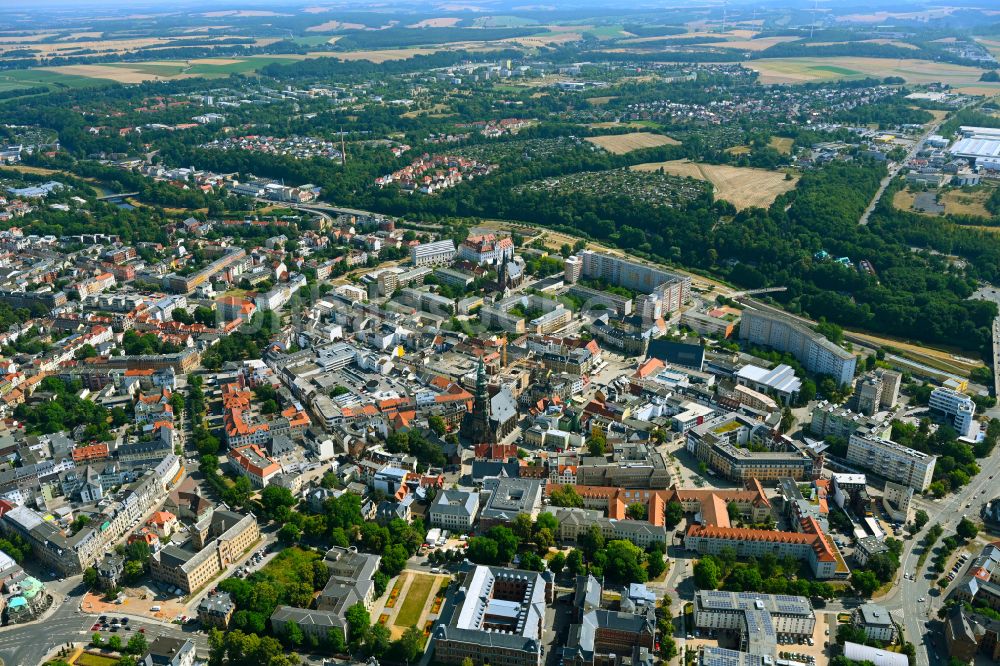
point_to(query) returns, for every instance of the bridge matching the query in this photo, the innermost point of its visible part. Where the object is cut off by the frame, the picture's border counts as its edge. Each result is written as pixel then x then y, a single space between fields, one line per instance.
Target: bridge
pixel 116 197
pixel 754 292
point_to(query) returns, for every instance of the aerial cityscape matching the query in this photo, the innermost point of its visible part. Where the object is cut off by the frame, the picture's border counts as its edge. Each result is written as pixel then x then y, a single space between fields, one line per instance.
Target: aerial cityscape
pixel 485 333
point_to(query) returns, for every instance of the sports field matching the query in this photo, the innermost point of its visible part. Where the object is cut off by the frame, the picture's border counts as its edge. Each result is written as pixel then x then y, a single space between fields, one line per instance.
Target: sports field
pixel 740 186
pixel 619 144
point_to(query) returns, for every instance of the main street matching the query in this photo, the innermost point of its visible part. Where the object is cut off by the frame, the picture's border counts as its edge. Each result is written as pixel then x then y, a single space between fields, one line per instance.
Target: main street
pixel 905 595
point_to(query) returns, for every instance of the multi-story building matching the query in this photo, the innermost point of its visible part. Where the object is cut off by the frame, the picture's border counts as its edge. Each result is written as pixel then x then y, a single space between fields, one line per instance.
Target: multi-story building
pixel 486 249
pixel 505 498
pixel 220 540
pixel 893 461
pixel 215 610
pixel 968 634
pixel 350 582
pixel 829 419
pixel 498 619
pixel 809 545
pixel 603 636
pixel 671 289
pixel 740 449
pixel 957 408
pixel 761 620
pixel 252 462
pixel 232 258
pixel 875 621
pixel 876 391
pixel 454 510
pixel 169 651
pixel 817 354
pixel 428 254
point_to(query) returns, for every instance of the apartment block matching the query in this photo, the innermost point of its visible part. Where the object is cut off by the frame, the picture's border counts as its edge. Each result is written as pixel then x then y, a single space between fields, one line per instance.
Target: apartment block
pixel 817 354
pixel 890 460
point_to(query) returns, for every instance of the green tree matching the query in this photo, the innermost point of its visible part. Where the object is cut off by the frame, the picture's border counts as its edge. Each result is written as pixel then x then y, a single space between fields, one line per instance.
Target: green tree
pixel 96 639
pixel 706 574
pixel 90 578
pixel 115 643
pixel 292 633
pixel 137 644
pixel 379 640
pixel 566 496
pixel 636 511
pixel 358 623
pixel 557 562
pixel 574 562
pixel 864 582
pixel 410 645
pixel 920 519
pixel 967 529
pixel 673 513
pixel 437 424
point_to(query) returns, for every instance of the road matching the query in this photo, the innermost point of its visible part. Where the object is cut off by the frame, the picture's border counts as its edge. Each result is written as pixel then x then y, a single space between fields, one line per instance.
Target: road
pixel 905 595
pixel 28 644
pixel 895 170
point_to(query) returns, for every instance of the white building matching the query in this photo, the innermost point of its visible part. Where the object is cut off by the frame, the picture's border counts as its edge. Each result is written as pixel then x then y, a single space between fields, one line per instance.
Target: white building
pixel 439 252
pixel 891 460
pixel 957 407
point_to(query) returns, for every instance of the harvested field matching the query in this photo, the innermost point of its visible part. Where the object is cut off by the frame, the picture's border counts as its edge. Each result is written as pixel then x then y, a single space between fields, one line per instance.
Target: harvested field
pixel 756 44
pixel 112 73
pixel 740 186
pixel 443 22
pixel 619 144
pixel 334 25
pixel 804 70
pixel 601 101
pixel 242 13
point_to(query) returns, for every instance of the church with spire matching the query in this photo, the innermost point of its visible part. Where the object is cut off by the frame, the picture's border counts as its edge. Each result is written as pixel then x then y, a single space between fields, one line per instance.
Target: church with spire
pixel 492 417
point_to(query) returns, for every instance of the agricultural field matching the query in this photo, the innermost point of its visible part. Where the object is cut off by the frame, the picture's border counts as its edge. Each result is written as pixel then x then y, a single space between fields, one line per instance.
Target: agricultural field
pixel 649 188
pixel 806 70
pixel 18 79
pixel 619 144
pixel 740 186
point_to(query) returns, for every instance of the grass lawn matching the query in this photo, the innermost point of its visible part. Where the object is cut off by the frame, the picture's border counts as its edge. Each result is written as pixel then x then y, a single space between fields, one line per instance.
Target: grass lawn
pixel 88 659
pixel 291 566
pixel 416 597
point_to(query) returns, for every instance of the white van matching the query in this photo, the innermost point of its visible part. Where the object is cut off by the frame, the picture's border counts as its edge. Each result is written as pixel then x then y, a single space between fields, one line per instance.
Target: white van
pixel 155 609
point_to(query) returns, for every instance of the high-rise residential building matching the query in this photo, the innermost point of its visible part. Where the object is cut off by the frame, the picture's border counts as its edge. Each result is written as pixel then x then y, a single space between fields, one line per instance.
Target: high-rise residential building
pixel 893 461
pixel 957 408
pixel 572 269
pixel 876 391
pixel 817 354
pixel 671 289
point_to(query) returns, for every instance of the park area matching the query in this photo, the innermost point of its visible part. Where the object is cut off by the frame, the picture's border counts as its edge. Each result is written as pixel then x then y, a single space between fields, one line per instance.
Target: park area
pixel 741 186
pixel 619 144
pixel 411 602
